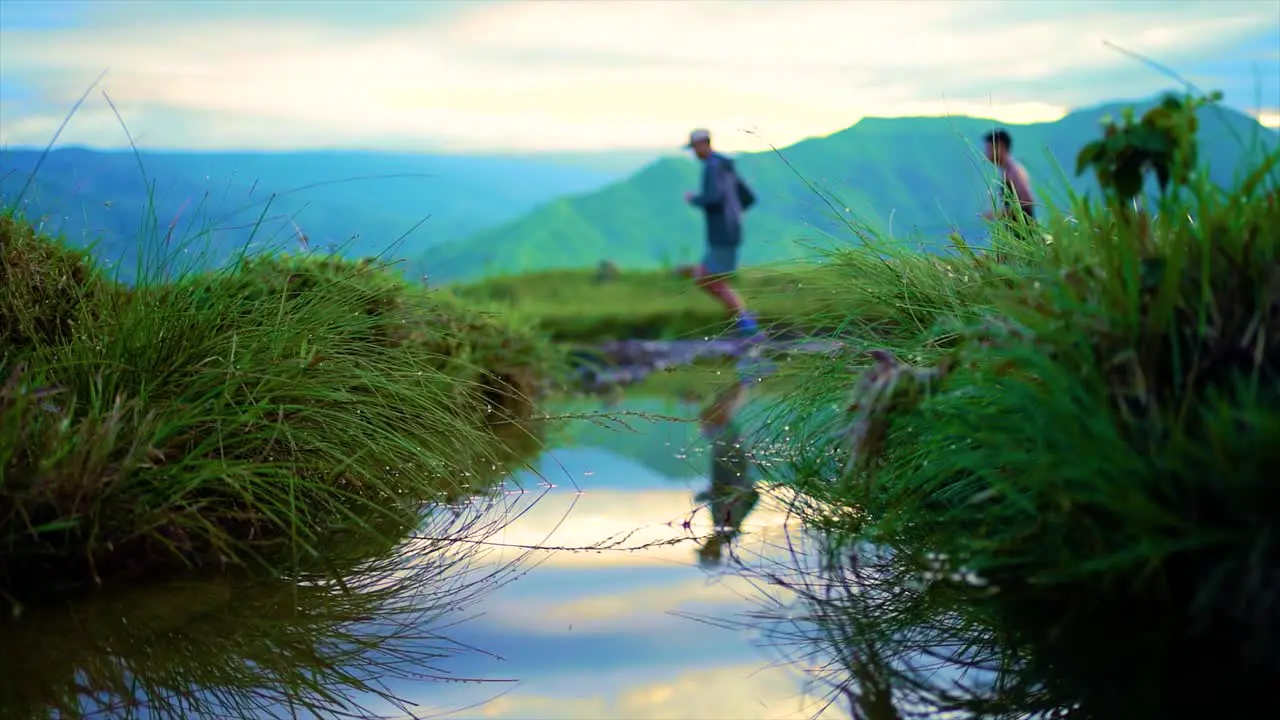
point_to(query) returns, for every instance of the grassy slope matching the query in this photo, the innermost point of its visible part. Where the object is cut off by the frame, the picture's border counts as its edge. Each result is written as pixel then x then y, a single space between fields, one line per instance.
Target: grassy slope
pixel 342 198
pixel 1090 429
pixel 914 176
pixel 233 416
pixel 573 305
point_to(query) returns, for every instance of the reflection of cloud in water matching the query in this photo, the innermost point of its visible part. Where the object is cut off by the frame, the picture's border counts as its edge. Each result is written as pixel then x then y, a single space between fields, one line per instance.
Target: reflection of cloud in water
pixel 619 511
pixel 618 520
pixel 606 634
pixel 740 692
pixel 645 609
pixel 602 628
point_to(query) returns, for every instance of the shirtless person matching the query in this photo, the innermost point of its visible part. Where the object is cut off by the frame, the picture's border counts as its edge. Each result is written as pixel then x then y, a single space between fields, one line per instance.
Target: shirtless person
pixel 720 202
pixel 1017 201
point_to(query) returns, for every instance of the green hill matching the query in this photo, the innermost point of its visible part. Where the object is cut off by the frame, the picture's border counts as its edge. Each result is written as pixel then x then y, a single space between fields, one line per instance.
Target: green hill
pixel 909 178
pixel 361 203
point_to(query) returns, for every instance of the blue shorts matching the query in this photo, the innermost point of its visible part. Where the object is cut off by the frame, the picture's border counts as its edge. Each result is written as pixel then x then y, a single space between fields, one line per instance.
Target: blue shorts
pixel 720 260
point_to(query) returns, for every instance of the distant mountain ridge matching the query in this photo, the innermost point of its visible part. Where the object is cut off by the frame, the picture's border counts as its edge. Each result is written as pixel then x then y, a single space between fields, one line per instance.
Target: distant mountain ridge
pixel 361 202
pixel 458 217
pixel 908 178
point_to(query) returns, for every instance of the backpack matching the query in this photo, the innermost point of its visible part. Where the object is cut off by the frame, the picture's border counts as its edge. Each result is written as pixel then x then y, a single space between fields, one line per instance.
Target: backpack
pixel 746 198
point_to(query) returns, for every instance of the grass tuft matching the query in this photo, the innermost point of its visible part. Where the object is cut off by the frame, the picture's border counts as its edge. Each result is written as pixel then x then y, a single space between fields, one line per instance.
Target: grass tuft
pixel 235 416
pixel 42 286
pixel 1085 420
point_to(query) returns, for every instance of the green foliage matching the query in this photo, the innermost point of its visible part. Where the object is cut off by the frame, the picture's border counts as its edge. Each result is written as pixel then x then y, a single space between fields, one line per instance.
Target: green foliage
pixel 1089 429
pixel 42 286
pixel 238 416
pixel 469 339
pixel 1163 142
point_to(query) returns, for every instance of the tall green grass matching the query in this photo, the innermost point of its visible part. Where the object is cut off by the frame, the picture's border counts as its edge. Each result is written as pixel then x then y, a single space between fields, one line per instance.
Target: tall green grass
pixel 233 416
pixel 1085 422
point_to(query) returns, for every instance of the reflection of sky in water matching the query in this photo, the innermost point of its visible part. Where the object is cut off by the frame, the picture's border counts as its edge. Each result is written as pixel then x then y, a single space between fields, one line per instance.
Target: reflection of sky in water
pixel 592 634
pixel 600 633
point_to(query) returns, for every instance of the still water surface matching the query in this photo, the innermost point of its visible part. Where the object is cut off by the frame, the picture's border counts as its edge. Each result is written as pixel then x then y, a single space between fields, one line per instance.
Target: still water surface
pixel 620 568
pixel 608 634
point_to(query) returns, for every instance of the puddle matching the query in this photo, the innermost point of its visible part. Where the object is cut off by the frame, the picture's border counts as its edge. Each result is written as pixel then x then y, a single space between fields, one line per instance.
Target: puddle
pixel 620 574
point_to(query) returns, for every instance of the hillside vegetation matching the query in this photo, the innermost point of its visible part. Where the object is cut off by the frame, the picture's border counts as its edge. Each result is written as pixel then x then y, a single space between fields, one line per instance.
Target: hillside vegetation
pixel 357 203
pixel 583 306
pixel 232 418
pixel 905 179
pixel 1067 458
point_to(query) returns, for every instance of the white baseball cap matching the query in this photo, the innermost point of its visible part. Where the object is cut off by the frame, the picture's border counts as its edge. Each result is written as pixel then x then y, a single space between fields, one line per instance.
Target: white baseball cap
pixel 699 135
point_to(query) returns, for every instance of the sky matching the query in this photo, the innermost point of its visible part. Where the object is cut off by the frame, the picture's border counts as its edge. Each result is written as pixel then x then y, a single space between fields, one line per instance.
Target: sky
pixel 585 75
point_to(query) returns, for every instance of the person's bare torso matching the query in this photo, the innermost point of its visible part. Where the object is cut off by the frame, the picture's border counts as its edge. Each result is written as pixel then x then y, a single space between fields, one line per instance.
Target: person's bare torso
pixel 1017 187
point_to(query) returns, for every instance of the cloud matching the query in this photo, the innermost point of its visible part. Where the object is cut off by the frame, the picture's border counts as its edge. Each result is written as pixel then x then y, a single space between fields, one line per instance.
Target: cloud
pixel 372 14
pixel 742 692
pixel 572 75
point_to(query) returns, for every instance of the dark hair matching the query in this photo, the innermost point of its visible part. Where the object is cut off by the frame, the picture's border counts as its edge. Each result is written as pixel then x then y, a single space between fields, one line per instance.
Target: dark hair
pixel 999 137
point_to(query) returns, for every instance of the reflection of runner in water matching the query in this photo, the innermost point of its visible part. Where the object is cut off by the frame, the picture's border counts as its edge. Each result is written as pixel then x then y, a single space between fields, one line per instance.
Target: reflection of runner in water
pixel 732 494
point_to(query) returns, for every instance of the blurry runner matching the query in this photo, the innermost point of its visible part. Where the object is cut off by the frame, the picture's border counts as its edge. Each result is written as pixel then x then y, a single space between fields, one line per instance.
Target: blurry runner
pixel 723 199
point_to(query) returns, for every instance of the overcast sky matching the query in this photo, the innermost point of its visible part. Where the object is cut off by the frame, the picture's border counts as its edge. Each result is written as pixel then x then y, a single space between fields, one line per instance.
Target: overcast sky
pixel 595 74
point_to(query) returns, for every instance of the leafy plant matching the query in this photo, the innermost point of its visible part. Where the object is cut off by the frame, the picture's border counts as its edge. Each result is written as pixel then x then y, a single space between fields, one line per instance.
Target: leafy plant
pixel 1162 142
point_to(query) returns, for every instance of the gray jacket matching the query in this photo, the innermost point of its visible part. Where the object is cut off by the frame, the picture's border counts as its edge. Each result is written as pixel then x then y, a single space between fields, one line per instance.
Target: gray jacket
pixel 719 201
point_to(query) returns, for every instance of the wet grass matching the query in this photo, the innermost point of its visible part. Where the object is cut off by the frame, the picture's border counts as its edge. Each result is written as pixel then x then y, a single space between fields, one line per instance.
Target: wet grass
pixel 1067 447
pixel 231 417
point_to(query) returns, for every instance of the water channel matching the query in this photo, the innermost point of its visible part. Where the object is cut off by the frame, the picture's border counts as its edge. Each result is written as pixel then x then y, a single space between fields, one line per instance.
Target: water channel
pixel 603 587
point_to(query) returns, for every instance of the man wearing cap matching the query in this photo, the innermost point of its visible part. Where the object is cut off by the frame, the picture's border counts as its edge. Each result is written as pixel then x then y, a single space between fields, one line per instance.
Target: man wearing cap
pixel 721 200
